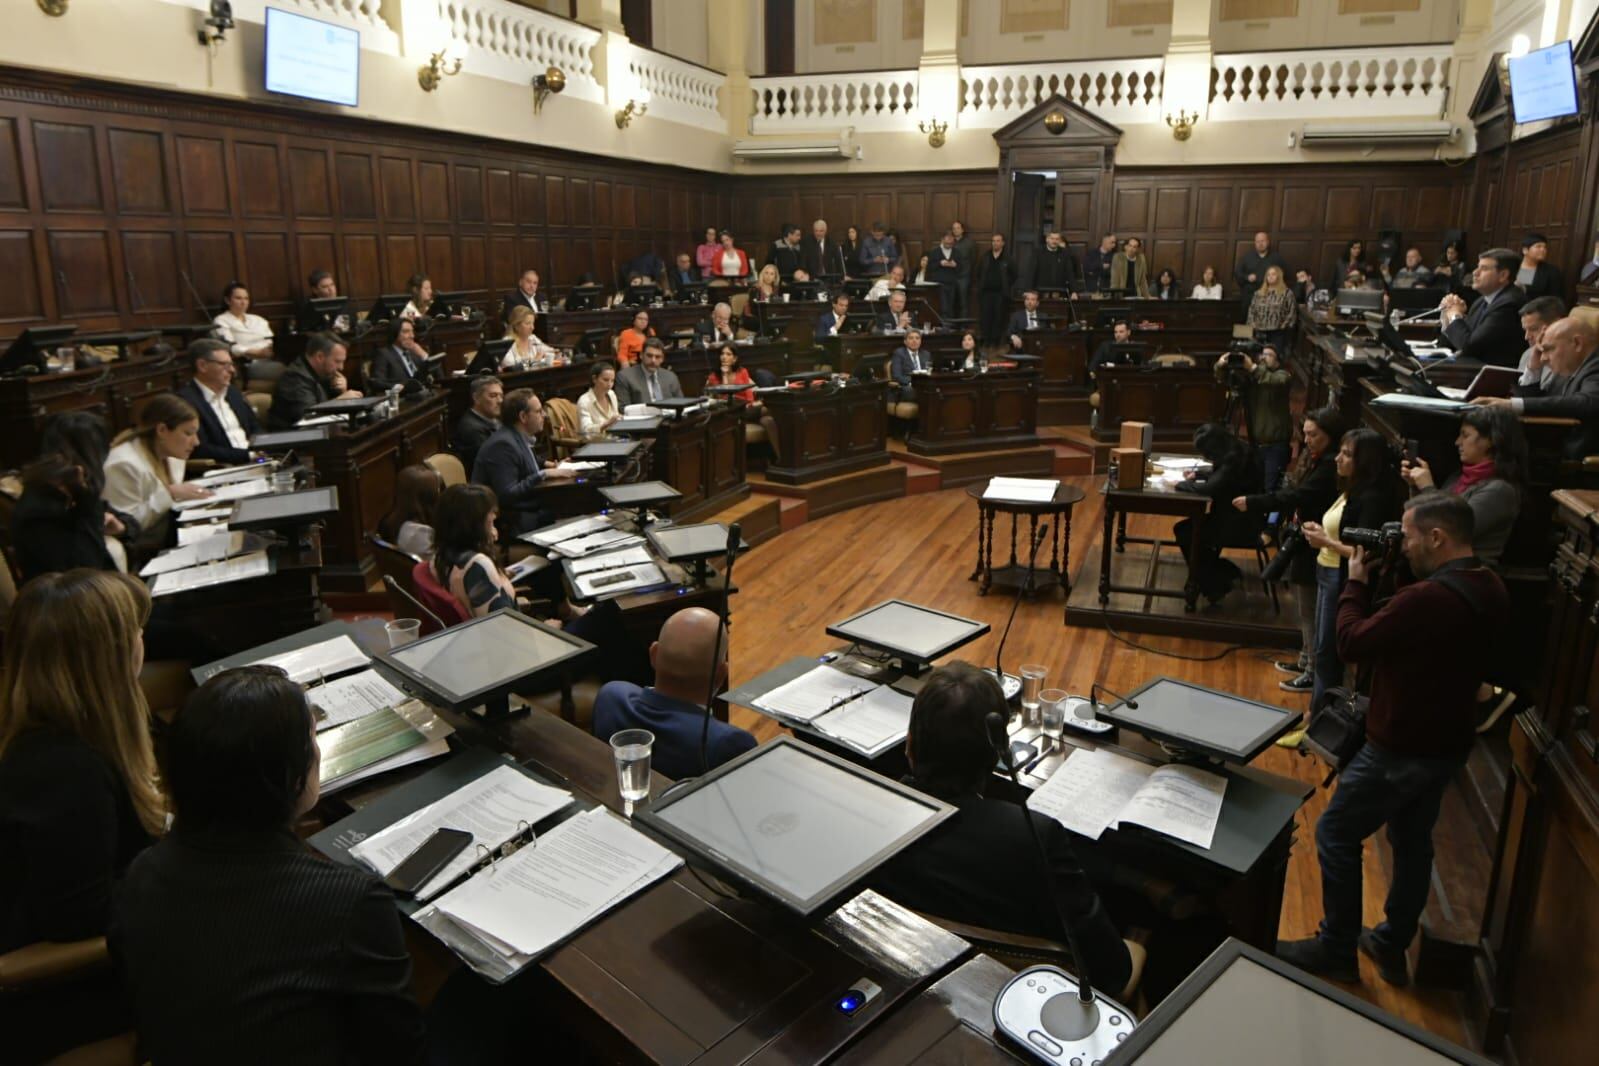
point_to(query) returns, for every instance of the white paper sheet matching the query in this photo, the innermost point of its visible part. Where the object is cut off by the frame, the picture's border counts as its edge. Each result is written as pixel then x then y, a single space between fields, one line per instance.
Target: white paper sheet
pixel 206 514
pixel 578 527
pixel 188 535
pixel 219 545
pixel 235 490
pixel 1087 793
pixel 317 661
pixel 607 582
pixel 607 539
pixel 1021 489
pixel 1180 801
pixel 813 694
pixel 244 472
pixel 579 466
pixel 345 699
pixel 256 564
pixel 610 560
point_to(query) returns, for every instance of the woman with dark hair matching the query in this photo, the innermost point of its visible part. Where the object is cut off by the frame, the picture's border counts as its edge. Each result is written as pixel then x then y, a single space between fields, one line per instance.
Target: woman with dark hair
pixel 706 252
pixel 421 302
pixel 731 373
pixel 731 262
pixel 971 354
pixel 236 941
pixel 246 335
pixel 1166 286
pixel 597 409
pixel 851 247
pixel 1308 490
pixel 1492 475
pixel 1371 496
pixel 60 521
pixel 1452 268
pixel 1232 473
pixel 409 524
pixel 1350 260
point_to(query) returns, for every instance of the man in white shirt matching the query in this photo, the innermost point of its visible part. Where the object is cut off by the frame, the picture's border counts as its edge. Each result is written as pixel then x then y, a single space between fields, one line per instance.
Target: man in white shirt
pixel 227 422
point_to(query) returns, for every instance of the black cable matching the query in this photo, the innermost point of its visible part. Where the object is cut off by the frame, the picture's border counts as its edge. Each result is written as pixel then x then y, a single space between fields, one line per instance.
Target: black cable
pixel 1188 658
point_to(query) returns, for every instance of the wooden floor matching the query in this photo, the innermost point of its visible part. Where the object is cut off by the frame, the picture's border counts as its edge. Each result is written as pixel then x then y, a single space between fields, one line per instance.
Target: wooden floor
pixel 922 548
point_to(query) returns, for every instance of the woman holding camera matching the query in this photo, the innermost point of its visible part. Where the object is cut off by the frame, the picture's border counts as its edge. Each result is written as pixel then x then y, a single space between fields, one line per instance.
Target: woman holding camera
pixel 1371 497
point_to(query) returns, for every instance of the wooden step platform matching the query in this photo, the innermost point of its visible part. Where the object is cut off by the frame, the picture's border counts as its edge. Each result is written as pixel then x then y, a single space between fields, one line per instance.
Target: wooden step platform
pixel 834 494
pixel 759 518
pixel 964 468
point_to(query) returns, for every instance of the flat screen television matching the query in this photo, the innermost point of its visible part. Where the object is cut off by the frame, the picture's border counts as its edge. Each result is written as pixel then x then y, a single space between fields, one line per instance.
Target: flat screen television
pixel 312 59
pixel 1543 84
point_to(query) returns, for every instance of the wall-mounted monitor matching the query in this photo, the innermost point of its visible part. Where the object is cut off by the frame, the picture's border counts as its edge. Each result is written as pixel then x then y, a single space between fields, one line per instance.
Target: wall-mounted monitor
pixel 1543 84
pixel 312 59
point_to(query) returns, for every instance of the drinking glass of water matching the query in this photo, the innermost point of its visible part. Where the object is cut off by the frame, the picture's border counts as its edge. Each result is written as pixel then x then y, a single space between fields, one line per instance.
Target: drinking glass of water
pixel 1033 675
pixel 1052 713
pixel 631 747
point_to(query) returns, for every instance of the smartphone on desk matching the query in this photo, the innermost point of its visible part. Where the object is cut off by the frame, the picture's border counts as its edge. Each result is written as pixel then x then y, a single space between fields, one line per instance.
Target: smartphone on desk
pixel 423 864
pixel 1021 754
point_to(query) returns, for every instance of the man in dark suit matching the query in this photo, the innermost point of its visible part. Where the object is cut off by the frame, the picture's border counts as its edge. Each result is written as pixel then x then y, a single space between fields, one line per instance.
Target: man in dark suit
pixel 1056 267
pixel 1571 349
pixel 227 422
pixel 509 464
pixel 1121 333
pixel 648 380
pixel 785 252
pixel 308 319
pixel 1490 331
pixel 673 708
pixel 947 269
pixel 1028 318
pixel 480 421
pixel 995 277
pixel 1097 263
pixel 907 361
pixel 895 319
pixel 402 362
pixel 717 330
pixel 316 377
pixel 683 273
pixel 831 322
pixel 981 866
pixel 821 256
pixel 526 294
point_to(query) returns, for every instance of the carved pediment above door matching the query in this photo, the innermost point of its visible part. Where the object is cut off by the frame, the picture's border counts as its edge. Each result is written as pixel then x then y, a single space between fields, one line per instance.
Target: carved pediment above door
pixel 1055 137
pixel 1060 132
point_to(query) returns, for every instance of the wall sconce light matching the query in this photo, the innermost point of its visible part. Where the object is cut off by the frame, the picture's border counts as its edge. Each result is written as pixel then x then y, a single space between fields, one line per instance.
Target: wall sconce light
pixel 935 131
pixel 211 31
pixel 626 115
pixel 1055 123
pixel 552 80
pixel 440 65
pixel 53 8
pixel 1182 125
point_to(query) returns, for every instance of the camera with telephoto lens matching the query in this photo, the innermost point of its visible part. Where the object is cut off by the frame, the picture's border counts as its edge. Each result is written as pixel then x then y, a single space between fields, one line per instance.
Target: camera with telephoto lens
pixel 1382 541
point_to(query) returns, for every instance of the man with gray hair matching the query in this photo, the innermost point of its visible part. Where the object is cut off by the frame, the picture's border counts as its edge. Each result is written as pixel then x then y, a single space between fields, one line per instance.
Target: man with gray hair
pixel 820 256
pixel 1570 347
pixel 478 423
pixel 717 330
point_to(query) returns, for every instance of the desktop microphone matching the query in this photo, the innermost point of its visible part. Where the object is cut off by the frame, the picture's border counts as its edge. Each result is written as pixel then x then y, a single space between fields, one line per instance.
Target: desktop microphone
pixel 1093 697
pixel 734 538
pixel 1032 557
pixel 1076 1021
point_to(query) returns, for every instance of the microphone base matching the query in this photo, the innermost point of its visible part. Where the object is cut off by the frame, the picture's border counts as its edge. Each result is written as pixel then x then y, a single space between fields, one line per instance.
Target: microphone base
pixel 1039 1011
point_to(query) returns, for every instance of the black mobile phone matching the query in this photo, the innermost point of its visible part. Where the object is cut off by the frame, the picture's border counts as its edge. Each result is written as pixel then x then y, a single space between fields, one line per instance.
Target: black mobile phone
pixel 1021 754
pixel 1412 447
pixel 423 864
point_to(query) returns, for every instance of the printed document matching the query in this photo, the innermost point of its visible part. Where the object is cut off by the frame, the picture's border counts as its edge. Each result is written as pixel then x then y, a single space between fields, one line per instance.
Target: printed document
pixel 872 724
pixel 345 699
pixel 813 693
pixel 1097 790
pixel 306 666
pixel 256 564
pixel 1021 489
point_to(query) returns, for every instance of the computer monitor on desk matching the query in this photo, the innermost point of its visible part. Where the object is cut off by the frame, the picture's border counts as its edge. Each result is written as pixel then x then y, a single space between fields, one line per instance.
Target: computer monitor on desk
pixel 488 356
pixel 1352 302
pixel 30 352
pixel 1216 726
pixel 908 632
pixel 481 661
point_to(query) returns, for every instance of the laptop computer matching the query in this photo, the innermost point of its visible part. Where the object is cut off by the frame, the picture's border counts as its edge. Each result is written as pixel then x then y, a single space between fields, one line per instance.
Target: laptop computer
pixel 1490 381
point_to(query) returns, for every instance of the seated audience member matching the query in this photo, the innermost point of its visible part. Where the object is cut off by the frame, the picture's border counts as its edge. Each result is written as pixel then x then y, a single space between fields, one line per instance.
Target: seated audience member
pixel 1413 275
pixel 894 318
pixel 597 408
pixel 1536 317
pixel 1354 279
pixel 1352 260
pixel 1120 333
pixel 768 285
pixel 308 319
pixel 706 252
pixel 1232 473
pixel 60 521
pixel 316 377
pixel 648 380
pixel 478 422
pixel 1569 347
pixel 730 262
pixel 970 354
pixel 690 660
pixel 784 254
pixel 831 321
pixel 877 252
pixel 1452 268
pixel 402 362
pixel 683 274
pixel 891 282
pixel 237 942
pixel 245 334
pixel 409 525
pixel 751 409
pixel 630 341
pixel 922 277
pixel 1536 276
pixel 1166 286
pixel 509 463
pixel 1208 287
pixel 1492 474
pixel 1490 330
pixel 1028 318
pixel 421 302
pixel 908 359
pixel 950 747
pixel 1304 286
pixel 718 329
pixel 526 294
pixel 144 469
pixel 78 792
pixel 526 348
pixel 227 421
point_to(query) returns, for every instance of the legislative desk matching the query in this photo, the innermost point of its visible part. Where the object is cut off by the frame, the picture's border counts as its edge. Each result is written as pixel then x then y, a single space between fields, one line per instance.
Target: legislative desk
pixel 844 352
pixel 567 382
pixel 693 365
pixel 563 329
pixel 116 391
pixel 1175 400
pixel 364 464
pixel 243 614
pixel 700 455
pixel 968 411
pixel 828 430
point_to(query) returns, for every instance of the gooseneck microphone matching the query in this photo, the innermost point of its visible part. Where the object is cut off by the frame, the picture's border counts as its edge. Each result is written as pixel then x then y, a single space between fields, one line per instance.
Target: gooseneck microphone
pixel 734 538
pixel 1093 697
pixel 1032 557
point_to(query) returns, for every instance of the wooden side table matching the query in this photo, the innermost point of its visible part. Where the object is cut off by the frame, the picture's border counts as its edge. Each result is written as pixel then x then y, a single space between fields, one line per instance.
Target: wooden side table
pixel 1016 573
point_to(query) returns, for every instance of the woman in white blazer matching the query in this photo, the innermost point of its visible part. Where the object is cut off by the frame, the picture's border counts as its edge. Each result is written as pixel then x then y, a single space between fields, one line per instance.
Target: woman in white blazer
pixel 597 408
pixel 144 470
pixel 246 335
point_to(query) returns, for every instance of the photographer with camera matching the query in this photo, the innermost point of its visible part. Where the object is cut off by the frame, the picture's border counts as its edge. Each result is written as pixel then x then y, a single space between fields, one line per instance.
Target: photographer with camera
pixel 1307 492
pixel 1258 383
pixel 1371 497
pixel 1426 648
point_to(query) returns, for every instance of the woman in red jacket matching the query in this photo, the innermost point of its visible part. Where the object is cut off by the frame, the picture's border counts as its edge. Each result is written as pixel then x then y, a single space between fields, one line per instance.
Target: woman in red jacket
pixel 733 374
pixel 730 262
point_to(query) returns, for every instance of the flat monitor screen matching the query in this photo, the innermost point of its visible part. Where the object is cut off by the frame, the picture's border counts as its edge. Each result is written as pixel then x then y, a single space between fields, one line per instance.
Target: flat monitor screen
pixel 274 510
pixel 1243 1006
pixel 700 541
pixel 469 663
pixel 1202 719
pixel 799 825
pixel 312 59
pixel 638 492
pixel 1354 300
pixel 284 439
pixel 1543 84
pixel 918 634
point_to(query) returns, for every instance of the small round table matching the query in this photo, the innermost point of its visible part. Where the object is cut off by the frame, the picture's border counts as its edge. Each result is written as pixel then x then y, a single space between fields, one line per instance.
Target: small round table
pixel 1017 574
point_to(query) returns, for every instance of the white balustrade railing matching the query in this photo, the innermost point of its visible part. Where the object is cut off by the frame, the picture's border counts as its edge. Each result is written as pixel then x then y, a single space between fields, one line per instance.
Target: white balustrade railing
pixel 377 34
pixel 678 91
pixel 504 40
pixel 882 100
pixel 1331 83
pixel 1121 91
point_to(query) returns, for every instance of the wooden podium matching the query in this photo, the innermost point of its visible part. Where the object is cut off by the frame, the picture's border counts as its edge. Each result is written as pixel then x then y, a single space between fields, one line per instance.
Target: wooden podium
pixel 824 432
pixel 1176 400
pixel 967 412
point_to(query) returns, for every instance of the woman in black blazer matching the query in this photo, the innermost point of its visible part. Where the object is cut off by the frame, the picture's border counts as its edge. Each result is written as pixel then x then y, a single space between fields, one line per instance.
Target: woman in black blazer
pixel 78 795
pixel 238 944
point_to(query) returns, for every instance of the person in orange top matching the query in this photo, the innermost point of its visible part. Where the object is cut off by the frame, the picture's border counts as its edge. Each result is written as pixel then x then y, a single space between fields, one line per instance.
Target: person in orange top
pixel 630 342
pixel 733 374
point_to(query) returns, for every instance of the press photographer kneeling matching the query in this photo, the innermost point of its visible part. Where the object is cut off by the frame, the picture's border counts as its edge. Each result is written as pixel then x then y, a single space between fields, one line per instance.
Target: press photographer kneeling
pixel 1425 651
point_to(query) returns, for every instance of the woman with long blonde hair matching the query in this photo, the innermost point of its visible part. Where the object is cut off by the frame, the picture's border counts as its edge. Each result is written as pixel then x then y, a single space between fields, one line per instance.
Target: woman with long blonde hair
pixel 78 791
pixel 1273 310
pixel 144 470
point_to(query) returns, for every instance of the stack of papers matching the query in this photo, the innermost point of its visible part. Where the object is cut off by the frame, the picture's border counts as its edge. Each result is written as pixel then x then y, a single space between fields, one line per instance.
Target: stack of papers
pixel 1095 790
pixel 382 741
pixel 232 490
pixel 609 583
pixel 244 472
pixel 211 512
pixel 522 906
pixel 317 662
pixel 871 724
pixel 1427 403
pixel 355 696
pixel 256 564
pixel 214 548
pixel 577 527
pixel 321 420
pixel 1021 489
pixel 813 694
pixel 579 466
pixel 494 809
pixel 605 540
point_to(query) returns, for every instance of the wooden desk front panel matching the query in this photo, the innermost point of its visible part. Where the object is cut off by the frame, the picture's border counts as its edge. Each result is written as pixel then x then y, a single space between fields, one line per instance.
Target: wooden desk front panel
pixel 1065 358
pixel 972 412
pixel 681 459
pixel 724 453
pixel 1175 400
pixel 117 392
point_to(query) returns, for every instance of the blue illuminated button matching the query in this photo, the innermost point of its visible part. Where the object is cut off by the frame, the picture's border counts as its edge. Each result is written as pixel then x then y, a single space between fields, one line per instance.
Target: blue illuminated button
pixel 850 1002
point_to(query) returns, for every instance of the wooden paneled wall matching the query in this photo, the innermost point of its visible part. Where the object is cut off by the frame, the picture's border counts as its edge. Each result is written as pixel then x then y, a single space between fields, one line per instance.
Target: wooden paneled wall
pixel 1532 186
pixel 110 198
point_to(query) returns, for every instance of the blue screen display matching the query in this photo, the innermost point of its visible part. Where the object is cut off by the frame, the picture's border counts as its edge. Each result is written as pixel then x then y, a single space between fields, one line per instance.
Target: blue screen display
pixel 1543 84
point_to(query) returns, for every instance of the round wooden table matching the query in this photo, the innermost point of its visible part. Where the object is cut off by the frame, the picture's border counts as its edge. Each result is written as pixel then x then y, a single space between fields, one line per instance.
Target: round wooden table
pixel 1016 573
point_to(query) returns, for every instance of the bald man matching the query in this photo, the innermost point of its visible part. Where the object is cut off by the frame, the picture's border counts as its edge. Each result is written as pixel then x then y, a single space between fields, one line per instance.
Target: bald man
pixel 1569 347
pixel 674 707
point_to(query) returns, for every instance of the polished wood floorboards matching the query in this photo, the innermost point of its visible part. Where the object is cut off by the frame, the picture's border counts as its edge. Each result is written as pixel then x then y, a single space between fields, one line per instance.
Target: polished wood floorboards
pixel 922 548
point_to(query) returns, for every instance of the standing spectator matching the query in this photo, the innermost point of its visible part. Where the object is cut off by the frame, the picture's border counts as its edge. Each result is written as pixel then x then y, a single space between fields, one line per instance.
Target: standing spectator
pixel 878 252
pixel 995 276
pixel 731 262
pixel 707 252
pixel 1537 276
pixel 1266 416
pixel 1250 273
pixel 1129 269
pixel 1207 288
pixel 1097 263
pixel 1272 310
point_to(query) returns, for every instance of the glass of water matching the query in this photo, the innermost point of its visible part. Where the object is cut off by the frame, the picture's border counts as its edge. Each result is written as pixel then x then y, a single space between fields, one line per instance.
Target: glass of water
pixel 1033 675
pixel 1052 713
pixel 631 747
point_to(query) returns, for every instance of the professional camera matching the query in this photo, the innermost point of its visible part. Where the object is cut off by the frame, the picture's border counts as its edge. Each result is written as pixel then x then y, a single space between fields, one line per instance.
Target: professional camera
pixel 1383 540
